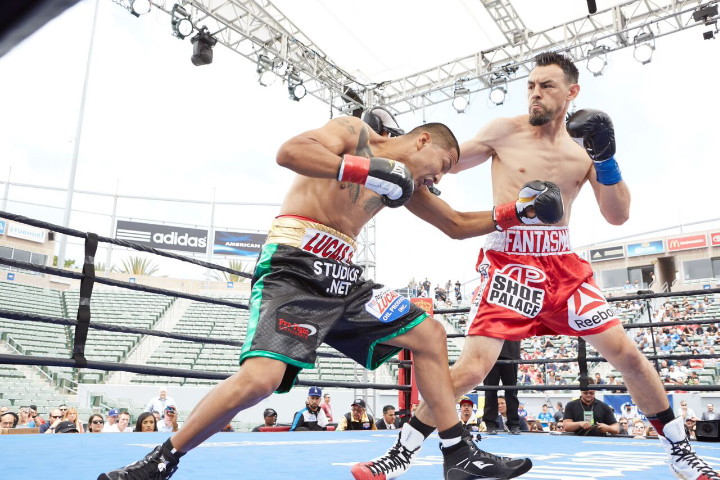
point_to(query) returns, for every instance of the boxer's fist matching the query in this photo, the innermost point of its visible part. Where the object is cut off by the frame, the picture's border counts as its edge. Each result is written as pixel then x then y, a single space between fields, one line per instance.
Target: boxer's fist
pixel 538 203
pixel 391 179
pixel 596 131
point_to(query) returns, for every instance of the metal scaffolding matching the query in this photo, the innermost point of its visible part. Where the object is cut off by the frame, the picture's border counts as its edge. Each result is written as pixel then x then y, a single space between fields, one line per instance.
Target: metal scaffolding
pixel 253 28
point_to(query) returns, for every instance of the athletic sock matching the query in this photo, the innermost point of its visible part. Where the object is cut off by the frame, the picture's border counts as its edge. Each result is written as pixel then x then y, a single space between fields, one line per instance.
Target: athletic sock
pixel 424 429
pixel 169 446
pixel 414 433
pixel 452 435
pixel 659 420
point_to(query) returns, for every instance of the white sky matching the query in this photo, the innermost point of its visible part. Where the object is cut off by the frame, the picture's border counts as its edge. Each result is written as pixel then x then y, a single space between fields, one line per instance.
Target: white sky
pixel 156 125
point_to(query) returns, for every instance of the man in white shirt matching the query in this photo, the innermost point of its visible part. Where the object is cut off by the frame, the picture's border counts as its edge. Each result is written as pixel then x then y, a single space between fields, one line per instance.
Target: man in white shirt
pixel 159 403
pixel 111 420
pixel 122 425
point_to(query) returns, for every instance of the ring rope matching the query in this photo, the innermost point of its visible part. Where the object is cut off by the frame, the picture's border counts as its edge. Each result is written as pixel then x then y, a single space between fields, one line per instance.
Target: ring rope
pixel 115 241
pixel 171 372
pixel 118 283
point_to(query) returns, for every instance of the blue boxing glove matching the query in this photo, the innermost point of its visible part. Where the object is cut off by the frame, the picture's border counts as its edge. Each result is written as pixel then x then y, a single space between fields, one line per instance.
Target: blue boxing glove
pixel 593 129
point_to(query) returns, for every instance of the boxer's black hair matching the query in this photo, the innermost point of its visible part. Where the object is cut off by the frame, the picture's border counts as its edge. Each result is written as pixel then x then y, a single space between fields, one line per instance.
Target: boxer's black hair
pixel 563 61
pixel 441 135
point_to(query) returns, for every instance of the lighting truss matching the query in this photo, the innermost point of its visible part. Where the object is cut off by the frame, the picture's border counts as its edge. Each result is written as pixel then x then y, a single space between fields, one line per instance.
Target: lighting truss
pixel 249 27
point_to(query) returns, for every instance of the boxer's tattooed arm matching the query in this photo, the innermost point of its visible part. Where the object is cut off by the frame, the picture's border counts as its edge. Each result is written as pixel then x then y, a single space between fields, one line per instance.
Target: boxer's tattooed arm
pixel 347 125
pixel 372 204
pixel 363 145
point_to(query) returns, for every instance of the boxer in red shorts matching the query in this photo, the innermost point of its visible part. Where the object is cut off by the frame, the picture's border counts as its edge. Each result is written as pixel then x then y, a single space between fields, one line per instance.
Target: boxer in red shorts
pixel 531 283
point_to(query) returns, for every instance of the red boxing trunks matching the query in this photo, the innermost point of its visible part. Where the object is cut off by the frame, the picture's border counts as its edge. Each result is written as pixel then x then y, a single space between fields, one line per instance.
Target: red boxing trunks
pixel 531 283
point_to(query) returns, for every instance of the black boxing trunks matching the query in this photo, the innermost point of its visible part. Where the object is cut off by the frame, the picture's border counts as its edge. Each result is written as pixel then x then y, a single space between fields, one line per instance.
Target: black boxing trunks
pixel 531 283
pixel 306 291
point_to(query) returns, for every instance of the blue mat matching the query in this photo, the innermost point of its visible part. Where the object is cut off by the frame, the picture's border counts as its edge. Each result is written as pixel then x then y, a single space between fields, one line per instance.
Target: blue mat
pixel 327 455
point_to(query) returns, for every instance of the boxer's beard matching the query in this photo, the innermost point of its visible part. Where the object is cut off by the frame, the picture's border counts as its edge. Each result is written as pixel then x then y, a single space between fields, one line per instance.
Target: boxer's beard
pixel 537 119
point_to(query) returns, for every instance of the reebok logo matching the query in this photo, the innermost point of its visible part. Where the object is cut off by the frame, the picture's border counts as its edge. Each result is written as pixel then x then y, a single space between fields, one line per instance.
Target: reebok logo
pixel 588 309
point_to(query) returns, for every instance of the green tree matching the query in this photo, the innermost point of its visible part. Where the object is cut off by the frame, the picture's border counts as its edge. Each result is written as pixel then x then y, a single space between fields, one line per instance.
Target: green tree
pixel 68 263
pixel 138 266
pixel 238 265
pixel 101 267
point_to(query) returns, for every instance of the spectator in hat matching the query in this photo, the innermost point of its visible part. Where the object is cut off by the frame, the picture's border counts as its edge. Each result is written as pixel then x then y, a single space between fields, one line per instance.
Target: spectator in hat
pixel 122 425
pixel 169 422
pixel 390 421
pixel 357 418
pixel 270 416
pixel 95 423
pixel 55 418
pixel 9 420
pixel 467 415
pixel 67 426
pixel 158 403
pixel 146 423
pixel 312 416
pixel 112 418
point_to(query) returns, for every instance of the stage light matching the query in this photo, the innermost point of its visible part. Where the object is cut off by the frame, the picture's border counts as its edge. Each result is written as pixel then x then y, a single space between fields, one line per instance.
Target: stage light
pixel 707 14
pixel 139 7
pixel 710 34
pixel 597 60
pixel 203 44
pixel 296 89
pixel 461 98
pixel 644 47
pixel 498 89
pixel 181 24
pixel 266 76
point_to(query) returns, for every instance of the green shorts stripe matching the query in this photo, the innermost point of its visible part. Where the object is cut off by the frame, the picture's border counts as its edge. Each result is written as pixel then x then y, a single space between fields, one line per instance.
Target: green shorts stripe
pixel 372 363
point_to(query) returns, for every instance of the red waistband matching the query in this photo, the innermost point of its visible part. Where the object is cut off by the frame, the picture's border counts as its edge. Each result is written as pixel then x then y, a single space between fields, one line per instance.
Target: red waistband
pixel 299 217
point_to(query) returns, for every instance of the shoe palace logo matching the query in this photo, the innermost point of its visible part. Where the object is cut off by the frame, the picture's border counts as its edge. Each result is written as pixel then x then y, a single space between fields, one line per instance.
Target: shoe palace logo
pixel 510 288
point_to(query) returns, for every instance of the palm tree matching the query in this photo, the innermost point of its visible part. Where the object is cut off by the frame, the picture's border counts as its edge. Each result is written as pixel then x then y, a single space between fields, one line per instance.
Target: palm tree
pixel 138 266
pixel 101 267
pixel 238 265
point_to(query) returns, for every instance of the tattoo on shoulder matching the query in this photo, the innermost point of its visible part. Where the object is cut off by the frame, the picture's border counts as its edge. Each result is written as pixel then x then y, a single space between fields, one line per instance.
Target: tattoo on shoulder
pixel 363 146
pixel 347 124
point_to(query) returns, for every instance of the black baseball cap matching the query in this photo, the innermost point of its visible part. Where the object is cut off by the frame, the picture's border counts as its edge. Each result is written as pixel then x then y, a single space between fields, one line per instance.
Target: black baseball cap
pixel 66 427
pixel 269 412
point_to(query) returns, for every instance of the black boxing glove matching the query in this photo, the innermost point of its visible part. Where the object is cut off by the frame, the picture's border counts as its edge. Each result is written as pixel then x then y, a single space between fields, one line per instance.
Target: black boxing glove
pixel 543 197
pixel 391 179
pixel 595 129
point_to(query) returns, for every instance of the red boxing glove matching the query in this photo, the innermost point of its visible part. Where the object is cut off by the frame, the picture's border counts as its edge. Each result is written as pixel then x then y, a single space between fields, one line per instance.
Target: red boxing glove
pixel 392 180
pixel 543 197
pixel 354 169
